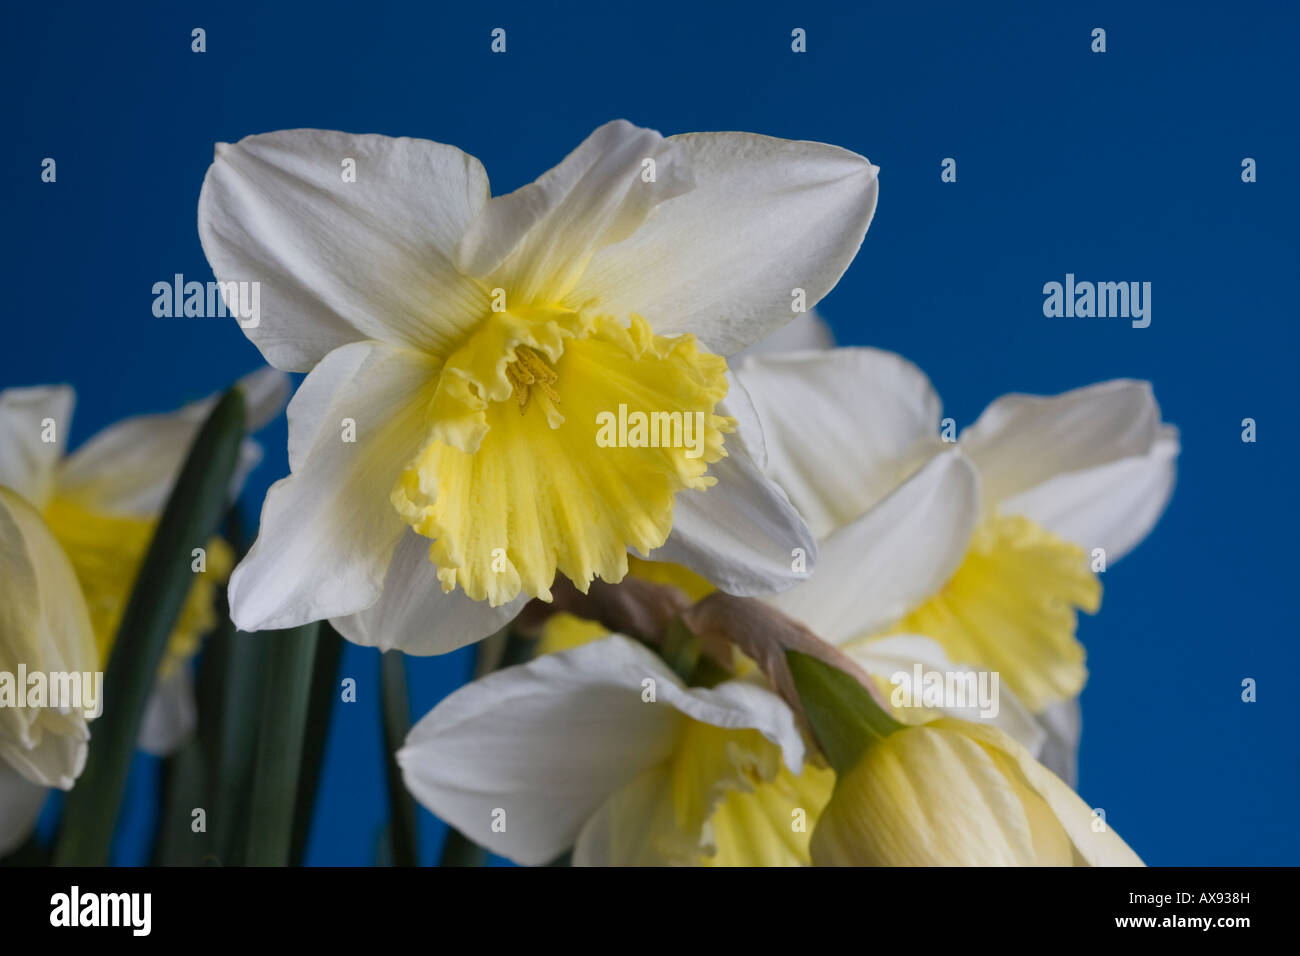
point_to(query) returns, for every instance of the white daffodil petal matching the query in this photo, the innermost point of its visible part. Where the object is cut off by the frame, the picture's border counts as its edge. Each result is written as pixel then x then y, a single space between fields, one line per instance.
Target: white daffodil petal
pixel 896 656
pixel 539 747
pixel 416 616
pixel 743 534
pixel 44 626
pixel 1113 506
pixel 1062 726
pixel 636 826
pixel 20 806
pixel 131 466
pixel 767 217
pixel 34 425
pixel 1023 440
pixel 537 240
pixel 341 261
pixel 873 570
pixel 806 332
pixel 171 714
pixel 328 530
pixel 843 428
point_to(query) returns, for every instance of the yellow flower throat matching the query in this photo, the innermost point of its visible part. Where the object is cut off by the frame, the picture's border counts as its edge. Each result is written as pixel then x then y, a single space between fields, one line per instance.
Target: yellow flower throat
pixel 512 492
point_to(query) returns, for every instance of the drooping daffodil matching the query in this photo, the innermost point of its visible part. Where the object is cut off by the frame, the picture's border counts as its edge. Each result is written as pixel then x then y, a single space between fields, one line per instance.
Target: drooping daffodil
pixel 74 531
pixel 603 749
pixel 451 450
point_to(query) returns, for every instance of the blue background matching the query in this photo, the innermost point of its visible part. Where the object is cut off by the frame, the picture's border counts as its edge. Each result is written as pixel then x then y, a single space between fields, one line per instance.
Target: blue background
pixel 1122 166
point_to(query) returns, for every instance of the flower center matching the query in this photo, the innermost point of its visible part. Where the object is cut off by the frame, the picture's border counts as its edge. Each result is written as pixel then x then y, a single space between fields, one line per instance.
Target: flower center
pixel 529 374
pixel 513 492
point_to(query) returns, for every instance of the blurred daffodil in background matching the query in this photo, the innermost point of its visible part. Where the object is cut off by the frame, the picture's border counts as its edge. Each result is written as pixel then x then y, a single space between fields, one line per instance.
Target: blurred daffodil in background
pixel 75 530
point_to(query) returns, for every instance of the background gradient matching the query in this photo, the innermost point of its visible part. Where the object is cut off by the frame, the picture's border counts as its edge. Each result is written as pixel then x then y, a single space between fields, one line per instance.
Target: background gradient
pixel 1117 166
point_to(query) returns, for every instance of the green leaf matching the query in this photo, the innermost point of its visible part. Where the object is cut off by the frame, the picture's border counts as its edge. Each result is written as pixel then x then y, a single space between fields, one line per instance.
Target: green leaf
pixel 176 843
pixel 188 521
pixel 277 766
pixel 324 692
pixel 397 722
pixel 231 678
pixel 844 716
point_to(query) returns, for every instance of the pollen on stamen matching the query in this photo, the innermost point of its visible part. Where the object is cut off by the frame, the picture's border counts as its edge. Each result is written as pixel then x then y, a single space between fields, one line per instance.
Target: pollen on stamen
pixel 529 373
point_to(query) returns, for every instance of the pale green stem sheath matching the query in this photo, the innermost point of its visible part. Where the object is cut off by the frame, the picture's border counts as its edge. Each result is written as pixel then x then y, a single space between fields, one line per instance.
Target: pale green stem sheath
pixel 845 717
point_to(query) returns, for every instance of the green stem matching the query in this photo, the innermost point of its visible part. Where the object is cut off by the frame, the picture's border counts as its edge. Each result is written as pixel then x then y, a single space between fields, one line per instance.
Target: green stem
pixel 845 718
pixel 397 722
pixel 324 691
pixel 278 763
pixel 176 842
pixel 231 679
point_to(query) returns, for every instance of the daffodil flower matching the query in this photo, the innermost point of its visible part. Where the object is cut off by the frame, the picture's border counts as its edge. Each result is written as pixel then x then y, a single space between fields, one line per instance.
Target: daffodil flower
pixel 602 748
pixel 73 532
pixel 985 544
pixel 445 450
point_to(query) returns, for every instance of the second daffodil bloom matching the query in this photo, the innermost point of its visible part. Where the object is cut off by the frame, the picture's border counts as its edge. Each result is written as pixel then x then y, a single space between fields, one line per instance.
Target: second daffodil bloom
pixel 476 363
pixel 988 544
